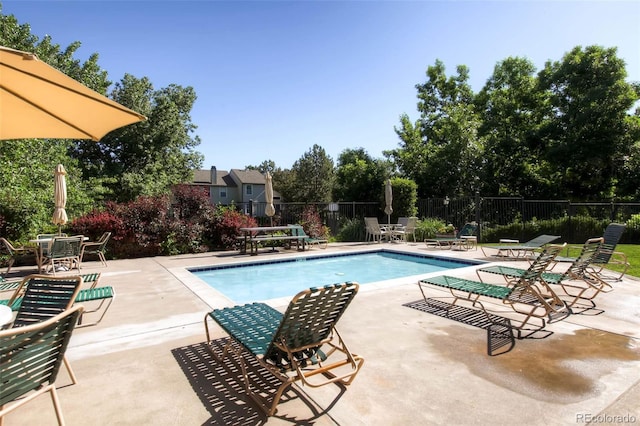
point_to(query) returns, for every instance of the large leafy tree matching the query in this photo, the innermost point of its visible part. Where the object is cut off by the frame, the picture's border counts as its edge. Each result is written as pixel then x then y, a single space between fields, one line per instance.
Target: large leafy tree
pixel 26 166
pixel 587 132
pixel 146 158
pixel 511 109
pixel 442 149
pixel 312 176
pixel 359 177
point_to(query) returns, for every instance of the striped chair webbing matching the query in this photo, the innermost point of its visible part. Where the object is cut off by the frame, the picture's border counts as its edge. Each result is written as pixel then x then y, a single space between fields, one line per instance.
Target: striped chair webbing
pixel 96 293
pixel 85 295
pixel 253 325
pixel 469 286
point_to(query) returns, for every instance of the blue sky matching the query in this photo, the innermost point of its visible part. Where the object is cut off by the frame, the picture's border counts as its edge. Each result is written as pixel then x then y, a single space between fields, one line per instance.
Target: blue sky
pixel 273 78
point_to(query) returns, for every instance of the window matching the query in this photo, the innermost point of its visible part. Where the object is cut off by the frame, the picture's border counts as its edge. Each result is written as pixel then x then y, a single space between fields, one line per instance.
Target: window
pixel 223 193
pixel 249 190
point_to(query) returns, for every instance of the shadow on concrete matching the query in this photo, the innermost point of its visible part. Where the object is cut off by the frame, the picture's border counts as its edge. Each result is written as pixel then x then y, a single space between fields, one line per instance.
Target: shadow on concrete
pixel 220 387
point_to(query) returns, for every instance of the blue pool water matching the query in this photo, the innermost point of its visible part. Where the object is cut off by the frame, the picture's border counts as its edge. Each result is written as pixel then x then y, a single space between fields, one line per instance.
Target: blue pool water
pixel 279 278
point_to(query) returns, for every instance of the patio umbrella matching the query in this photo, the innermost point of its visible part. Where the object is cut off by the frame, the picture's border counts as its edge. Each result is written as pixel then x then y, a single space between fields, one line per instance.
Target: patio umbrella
pixel 38 101
pixel 388 199
pixel 270 209
pixel 60 197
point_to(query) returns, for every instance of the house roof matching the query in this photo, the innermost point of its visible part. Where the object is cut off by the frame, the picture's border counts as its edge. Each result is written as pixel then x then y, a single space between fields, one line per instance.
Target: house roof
pixel 249 176
pixel 203 176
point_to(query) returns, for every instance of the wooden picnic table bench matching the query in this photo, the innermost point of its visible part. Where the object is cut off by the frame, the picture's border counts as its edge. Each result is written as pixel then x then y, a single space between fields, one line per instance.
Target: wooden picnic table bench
pixel 251 237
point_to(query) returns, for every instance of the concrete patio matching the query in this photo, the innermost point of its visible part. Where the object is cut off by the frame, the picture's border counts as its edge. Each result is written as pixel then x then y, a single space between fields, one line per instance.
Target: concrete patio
pixel 146 363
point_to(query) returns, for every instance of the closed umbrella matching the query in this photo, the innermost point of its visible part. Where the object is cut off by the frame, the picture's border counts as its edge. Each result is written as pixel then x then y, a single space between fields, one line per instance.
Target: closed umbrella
pixel 38 101
pixel 60 197
pixel 388 200
pixel 270 210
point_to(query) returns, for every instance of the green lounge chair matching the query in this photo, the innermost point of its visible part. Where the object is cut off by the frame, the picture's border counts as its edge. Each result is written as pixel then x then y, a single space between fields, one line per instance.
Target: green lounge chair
pixel 298 230
pixel 101 295
pixel 521 251
pixel 607 254
pixel 527 295
pixel 30 359
pixel 300 345
pixel 463 240
pixel 43 297
pixel 569 281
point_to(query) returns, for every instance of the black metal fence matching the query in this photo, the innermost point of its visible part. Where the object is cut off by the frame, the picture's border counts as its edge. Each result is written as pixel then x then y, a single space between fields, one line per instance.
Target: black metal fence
pixel 489 212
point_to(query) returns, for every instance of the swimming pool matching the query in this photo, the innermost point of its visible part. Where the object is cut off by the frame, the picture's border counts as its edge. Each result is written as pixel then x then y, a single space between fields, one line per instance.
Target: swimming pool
pixel 271 279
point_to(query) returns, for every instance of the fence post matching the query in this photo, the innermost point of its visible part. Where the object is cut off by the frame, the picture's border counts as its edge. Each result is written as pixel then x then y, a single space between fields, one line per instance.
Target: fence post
pixel 478 217
pixel 613 211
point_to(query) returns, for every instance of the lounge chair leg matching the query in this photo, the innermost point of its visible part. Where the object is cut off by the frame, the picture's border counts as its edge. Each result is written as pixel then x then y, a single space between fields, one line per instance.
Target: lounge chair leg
pixel 69 370
pixel 56 405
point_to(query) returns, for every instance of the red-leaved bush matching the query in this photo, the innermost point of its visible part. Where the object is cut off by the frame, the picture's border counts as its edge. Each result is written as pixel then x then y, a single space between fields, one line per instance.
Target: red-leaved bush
pixel 312 223
pixel 151 226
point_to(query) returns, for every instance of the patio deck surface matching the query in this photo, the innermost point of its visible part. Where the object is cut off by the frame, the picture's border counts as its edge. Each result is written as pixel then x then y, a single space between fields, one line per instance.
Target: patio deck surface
pixel 146 363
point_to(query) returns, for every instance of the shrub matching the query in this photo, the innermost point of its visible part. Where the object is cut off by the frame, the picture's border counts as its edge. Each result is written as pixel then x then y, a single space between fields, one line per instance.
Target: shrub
pixel 429 227
pixel 226 227
pixel 312 223
pixel 351 230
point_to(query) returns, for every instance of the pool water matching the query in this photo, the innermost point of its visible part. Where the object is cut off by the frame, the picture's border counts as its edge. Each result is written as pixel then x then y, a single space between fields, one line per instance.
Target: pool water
pixel 272 279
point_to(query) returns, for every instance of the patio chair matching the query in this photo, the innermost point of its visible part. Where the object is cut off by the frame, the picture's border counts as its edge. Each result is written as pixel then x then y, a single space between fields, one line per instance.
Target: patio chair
pixel 102 296
pixel 406 226
pixel 569 281
pixel 519 251
pixel 64 252
pixel 17 253
pixel 373 230
pixel 300 345
pixel 6 285
pixel 30 359
pixel 463 239
pixel 97 248
pixel 41 297
pixel 607 254
pixel 528 295
pixel 467 237
pixel 298 230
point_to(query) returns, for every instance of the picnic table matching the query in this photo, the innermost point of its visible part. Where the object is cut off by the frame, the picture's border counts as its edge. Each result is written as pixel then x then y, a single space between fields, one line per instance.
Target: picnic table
pixel 251 237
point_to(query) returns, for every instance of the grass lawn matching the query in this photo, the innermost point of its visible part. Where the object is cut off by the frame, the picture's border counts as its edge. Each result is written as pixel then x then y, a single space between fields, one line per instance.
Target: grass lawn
pixel 632 251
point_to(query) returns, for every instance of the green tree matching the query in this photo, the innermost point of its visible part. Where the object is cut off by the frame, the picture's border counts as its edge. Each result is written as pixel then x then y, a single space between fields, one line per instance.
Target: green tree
pixel 285 182
pixel 149 157
pixel 26 196
pixel 405 197
pixel 313 176
pixel 265 166
pixel 588 133
pixel 511 109
pixel 442 150
pixel 359 176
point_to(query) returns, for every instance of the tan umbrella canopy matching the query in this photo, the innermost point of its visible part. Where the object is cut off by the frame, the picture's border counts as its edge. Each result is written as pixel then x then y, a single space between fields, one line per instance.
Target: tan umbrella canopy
pixel 270 210
pixel 60 197
pixel 388 200
pixel 38 101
